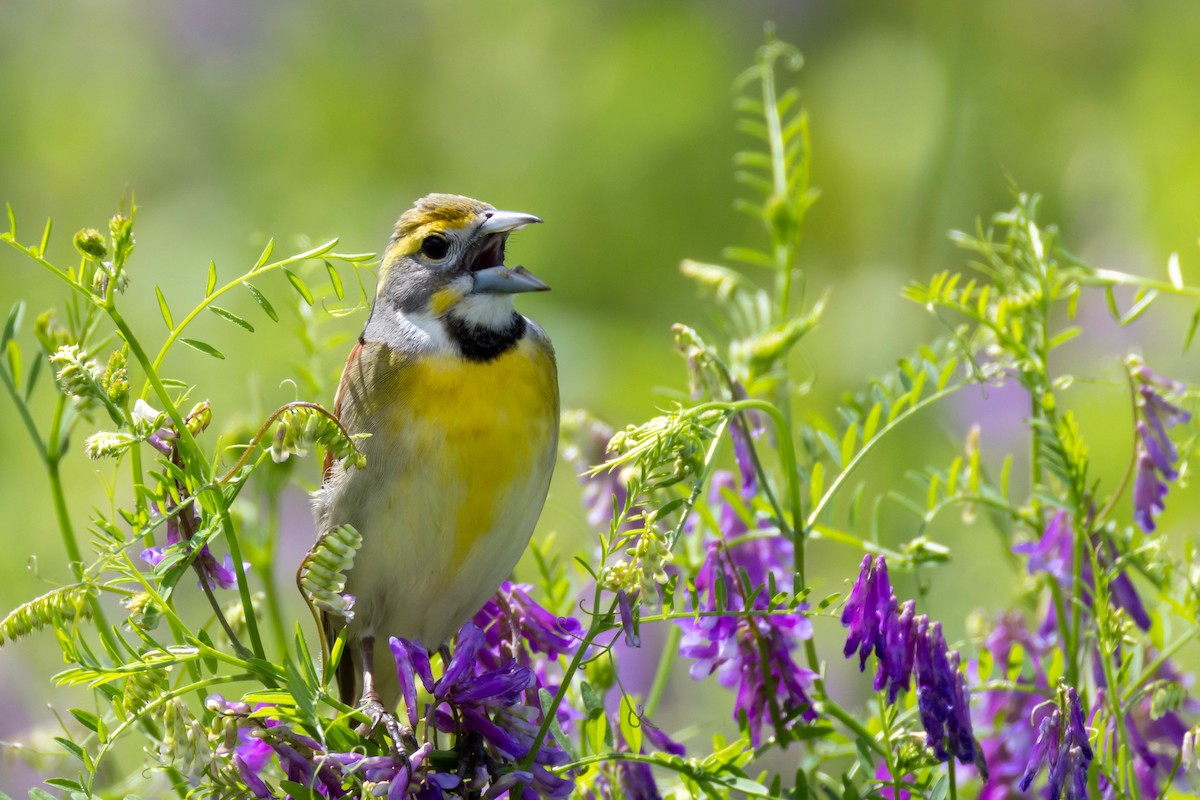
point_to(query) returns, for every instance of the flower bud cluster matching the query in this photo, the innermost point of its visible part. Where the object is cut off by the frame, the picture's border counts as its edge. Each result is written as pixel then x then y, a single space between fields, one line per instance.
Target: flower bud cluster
pixel 301 426
pixel 323 571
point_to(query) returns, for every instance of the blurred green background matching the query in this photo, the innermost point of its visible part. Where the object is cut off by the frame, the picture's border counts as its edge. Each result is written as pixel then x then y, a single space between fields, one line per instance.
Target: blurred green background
pixel 234 122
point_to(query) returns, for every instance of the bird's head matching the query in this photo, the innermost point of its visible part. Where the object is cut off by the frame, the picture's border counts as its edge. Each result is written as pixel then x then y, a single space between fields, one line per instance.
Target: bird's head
pixel 445 260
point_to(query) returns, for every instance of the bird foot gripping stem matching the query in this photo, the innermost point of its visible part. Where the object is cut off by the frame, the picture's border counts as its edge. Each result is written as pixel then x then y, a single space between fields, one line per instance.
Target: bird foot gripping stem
pixel 403 740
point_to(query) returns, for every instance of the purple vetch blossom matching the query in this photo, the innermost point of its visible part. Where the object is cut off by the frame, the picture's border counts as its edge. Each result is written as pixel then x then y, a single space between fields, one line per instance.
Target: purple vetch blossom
pixel 1011 717
pixel 516 626
pixel 1156 453
pixel 906 644
pixel 472 697
pixel 1054 554
pixel 212 572
pixel 733 644
pixel 628 623
pixel 1062 745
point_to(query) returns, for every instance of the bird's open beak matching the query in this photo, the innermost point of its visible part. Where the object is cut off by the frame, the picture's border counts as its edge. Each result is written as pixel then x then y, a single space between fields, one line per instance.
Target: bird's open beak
pixel 499 279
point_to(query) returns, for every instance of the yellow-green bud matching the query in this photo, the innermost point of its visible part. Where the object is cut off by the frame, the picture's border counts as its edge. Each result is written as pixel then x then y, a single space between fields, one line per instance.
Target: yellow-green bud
pixel 90 242
pixel 199 418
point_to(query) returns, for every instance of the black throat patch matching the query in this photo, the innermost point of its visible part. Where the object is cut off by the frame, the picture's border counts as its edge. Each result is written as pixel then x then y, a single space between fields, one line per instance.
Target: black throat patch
pixel 481 343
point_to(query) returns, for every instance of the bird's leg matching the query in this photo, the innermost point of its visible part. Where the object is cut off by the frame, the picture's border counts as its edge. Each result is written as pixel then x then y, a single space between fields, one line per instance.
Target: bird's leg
pixel 444 652
pixel 401 735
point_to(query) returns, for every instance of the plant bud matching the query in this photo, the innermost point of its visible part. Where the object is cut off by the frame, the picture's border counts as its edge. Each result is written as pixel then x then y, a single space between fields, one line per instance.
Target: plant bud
pixel 90 242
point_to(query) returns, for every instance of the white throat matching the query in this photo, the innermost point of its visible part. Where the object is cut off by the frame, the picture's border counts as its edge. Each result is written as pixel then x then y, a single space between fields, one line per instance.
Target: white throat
pixel 491 311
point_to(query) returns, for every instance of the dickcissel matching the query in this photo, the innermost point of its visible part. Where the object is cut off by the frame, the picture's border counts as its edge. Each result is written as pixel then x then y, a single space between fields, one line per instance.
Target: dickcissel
pixel 459 394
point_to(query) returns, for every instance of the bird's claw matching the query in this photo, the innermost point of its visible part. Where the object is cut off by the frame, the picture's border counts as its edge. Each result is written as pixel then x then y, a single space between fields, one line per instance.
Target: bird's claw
pixel 402 737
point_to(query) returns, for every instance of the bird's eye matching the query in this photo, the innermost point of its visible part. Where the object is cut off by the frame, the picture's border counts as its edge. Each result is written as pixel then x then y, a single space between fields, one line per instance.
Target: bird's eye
pixel 435 246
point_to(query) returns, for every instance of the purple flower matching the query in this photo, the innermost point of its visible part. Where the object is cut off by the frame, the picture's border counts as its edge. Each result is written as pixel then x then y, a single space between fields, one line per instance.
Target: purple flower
pixel 1156 453
pixel 1054 554
pixel 1063 746
pixel 1149 492
pixel 732 645
pixel 868 606
pixel 636 781
pixel 1012 717
pixel 905 643
pixel 628 624
pixel 516 626
pixel 212 572
pixel 474 697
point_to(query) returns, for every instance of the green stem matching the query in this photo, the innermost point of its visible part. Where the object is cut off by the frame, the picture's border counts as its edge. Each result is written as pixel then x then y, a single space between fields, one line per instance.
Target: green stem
pixel 595 629
pixel 239 566
pixel 26 417
pixel 53 458
pixel 663 673
pixel 266 573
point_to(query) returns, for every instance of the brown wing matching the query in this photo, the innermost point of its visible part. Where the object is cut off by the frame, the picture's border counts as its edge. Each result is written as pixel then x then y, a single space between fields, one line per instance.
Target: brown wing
pixel 327 468
pixel 346 672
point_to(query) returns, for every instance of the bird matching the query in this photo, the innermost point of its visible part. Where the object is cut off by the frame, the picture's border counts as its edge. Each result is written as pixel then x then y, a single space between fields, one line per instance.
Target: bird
pixel 459 395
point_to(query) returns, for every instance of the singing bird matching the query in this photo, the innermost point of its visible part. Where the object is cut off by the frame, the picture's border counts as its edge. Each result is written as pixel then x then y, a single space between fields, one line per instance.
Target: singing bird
pixel 459 394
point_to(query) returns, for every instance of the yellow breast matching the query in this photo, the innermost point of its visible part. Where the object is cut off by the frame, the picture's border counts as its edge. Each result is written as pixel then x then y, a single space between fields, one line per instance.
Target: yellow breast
pixel 484 431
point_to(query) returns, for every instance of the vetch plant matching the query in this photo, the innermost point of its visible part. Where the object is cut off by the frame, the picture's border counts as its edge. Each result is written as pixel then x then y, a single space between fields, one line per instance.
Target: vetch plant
pixel 703 522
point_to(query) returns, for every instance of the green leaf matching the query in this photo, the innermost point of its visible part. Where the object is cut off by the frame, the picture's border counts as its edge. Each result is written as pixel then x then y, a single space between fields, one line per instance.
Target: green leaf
pixel 12 221
pixel 35 369
pixel 262 301
pixel 232 317
pixel 1142 301
pixel 266 253
pixel 71 748
pixel 1187 342
pixel 872 422
pixel 835 452
pixel 63 783
pixel 631 725
pixel 848 443
pixel 164 309
pixel 212 279
pixel 299 791
pixel 40 794
pixel 87 719
pixel 45 239
pixel 592 701
pixel 203 347
pixel 940 788
pixel 816 483
pixel 1064 337
pixel 300 286
pixel 336 280
pixel 13 323
pixel 13 353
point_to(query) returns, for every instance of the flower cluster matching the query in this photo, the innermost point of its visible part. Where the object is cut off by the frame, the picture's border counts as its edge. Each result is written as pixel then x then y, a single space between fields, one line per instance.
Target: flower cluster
pixel 1054 554
pixel 905 644
pixel 1012 715
pixel 472 700
pixel 1156 453
pixel 516 627
pixel 485 699
pixel 737 633
pixel 1062 744
pixel 212 572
